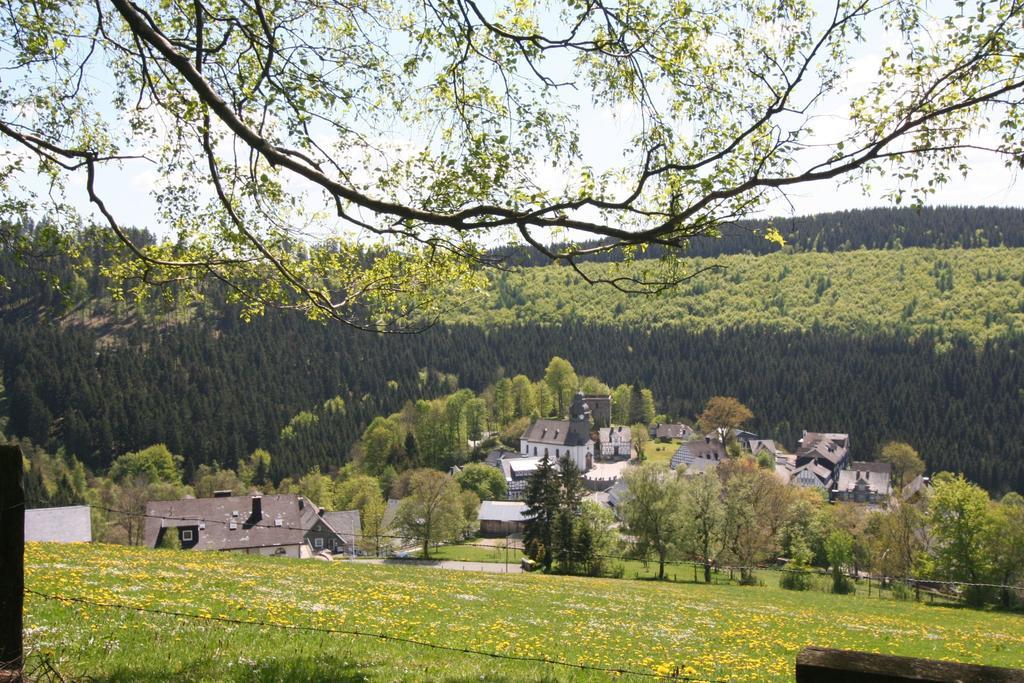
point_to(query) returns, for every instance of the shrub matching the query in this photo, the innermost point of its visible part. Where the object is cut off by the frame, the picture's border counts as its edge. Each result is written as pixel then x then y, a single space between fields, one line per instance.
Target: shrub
pixel 796 579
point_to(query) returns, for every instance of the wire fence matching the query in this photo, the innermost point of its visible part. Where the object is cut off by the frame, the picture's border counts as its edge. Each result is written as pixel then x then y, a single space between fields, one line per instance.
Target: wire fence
pixel 916 584
pixel 675 675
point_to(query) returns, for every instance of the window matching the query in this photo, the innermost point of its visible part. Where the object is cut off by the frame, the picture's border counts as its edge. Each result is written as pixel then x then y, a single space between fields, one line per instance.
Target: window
pixel 318 542
pixel 186 534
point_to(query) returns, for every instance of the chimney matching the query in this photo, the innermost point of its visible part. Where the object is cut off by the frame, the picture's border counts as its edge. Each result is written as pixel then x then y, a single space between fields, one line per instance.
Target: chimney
pixel 257 508
pixel 222 494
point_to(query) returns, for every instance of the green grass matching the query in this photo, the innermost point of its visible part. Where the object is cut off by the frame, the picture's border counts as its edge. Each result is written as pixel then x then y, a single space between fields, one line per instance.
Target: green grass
pixel 723 632
pixel 660 453
pixel 471 551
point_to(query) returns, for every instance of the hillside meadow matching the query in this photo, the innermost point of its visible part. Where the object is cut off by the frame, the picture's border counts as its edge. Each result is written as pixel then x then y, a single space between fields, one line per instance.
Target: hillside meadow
pixel 976 293
pixel 718 632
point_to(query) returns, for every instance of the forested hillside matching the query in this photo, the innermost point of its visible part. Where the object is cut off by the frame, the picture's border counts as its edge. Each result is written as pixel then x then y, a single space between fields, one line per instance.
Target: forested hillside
pixel 917 345
pixel 218 392
pixel 976 294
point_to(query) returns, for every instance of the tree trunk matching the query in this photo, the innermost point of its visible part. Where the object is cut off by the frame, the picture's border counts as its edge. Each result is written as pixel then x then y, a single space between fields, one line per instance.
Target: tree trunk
pixel 661 566
pixel 707 572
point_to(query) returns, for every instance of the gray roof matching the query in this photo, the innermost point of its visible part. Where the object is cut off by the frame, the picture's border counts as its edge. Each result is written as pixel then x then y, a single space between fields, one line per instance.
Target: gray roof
pixel 767 445
pixel 605 433
pixel 701 466
pixel 830 447
pixel 347 524
pixel 617 492
pixel 502 511
pixel 558 432
pixel 880 483
pixel 388 520
pixel 697 449
pixel 495 456
pixel 672 431
pixel 917 485
pixel 284 520
pixel 823 474
pixel 879 467
pixel 71 524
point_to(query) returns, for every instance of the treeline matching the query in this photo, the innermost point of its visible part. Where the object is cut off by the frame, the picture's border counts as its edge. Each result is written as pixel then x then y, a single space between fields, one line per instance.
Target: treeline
pixel 941 227
pixel 216 392
pixel 741 514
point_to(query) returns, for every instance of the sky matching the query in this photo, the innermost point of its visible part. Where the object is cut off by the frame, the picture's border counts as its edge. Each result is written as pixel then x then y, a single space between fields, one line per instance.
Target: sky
pixel 128 189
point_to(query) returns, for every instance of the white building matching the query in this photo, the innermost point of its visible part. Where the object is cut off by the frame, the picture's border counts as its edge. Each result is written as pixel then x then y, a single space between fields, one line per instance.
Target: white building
pixel 59 525
pixel 616 442
pixel 560 439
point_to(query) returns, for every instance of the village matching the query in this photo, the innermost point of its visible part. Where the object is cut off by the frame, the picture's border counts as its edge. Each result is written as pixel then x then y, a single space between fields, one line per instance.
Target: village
pixel 293 525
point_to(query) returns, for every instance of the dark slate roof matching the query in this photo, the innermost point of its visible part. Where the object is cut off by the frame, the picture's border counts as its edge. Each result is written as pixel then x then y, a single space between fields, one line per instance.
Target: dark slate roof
pixel 71 524
pixel 214 518
pixel 558 432
pixel 347 524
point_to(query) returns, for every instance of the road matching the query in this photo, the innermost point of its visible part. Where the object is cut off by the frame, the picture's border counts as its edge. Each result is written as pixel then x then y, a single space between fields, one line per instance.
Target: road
pixel 459 565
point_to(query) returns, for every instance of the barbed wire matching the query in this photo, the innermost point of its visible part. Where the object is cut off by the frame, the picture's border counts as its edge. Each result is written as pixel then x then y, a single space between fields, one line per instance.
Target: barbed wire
pixel 624 558
pixel 614 671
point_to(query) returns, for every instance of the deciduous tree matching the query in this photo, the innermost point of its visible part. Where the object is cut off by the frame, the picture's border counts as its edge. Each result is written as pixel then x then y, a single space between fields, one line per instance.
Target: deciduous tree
pixel 653 511
pixel 704 519
pixel 266 122
pixel 487 482
pixel 433 511
pixel 723 414
pixel 905 461
pixel 958 514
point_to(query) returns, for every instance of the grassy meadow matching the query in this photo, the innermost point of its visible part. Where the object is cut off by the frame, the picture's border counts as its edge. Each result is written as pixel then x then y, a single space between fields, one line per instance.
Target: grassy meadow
pixel 661 453
pixel 719 632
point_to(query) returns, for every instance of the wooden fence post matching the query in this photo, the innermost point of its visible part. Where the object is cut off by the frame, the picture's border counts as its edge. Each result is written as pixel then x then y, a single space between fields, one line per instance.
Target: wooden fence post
pixel 824 665
pixel 12 559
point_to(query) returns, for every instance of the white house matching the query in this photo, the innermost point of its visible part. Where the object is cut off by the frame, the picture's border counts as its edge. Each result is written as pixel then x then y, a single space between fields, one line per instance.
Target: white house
pixel 616 442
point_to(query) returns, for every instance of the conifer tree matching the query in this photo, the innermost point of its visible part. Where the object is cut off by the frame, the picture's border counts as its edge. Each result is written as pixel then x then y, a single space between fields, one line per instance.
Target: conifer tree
pixel 543 499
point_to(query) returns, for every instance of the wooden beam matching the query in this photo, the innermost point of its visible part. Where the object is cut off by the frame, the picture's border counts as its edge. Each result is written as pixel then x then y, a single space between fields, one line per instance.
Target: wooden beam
pixel 825 665
pixel 12 559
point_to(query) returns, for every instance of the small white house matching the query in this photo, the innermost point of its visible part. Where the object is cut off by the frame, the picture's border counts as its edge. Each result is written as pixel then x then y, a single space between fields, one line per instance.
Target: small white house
pixel 616 442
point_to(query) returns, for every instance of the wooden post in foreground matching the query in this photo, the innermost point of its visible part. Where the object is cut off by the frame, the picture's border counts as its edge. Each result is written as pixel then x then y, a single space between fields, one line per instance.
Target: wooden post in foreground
pixel 824 665
pixel 12 562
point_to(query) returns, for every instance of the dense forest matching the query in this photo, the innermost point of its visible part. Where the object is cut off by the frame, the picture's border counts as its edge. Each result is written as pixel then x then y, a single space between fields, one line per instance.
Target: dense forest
pixel 945 294
pixel 917 345
pixel 942 227
pixel 216 392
